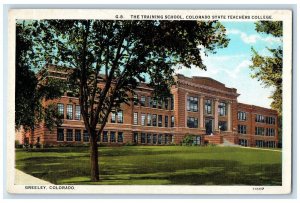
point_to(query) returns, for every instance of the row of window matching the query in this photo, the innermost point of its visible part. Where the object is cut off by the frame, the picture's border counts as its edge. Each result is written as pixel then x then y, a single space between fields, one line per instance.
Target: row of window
pixel 265 119
pixel 152 120
pixel 106 136
pixel 70 114
pixel 262 143
pixel 264 131
pixel 154 103
pixel 192 105
pixel 258 143
pixel 152 138
pixel 258 118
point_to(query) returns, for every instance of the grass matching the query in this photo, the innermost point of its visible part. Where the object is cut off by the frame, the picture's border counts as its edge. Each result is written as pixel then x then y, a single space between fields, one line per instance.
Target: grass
pixel 152 165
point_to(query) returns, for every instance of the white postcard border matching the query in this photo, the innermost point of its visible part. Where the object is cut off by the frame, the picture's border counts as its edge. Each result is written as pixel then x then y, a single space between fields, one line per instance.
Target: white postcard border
pixel 110 14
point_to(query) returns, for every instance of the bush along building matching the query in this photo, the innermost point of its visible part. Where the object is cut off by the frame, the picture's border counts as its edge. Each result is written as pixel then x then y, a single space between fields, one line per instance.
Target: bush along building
pixel 200 107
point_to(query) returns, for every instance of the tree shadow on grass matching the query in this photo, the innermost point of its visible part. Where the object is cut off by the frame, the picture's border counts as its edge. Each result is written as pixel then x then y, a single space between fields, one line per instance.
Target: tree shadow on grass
pixel 150 170
pixel 210 172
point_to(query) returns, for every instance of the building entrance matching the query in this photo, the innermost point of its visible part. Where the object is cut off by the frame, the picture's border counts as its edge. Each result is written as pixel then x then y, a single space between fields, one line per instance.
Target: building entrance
pixel 208 126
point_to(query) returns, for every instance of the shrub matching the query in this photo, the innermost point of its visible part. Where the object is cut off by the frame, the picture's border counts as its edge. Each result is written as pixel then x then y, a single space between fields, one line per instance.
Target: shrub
pixel 130 144
pixel 17 144
pixel 188 140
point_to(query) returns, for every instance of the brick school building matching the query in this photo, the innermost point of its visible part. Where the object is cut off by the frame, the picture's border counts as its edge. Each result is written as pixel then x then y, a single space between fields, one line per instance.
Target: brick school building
pixel 200 107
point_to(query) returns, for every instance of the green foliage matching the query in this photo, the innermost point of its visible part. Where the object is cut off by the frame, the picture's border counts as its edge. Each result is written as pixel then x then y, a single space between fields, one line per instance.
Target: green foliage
pixel 52 117
pixel 270 27
pixel 268 69
pixel 26 101
pixel 124 52
pixel 120 54
pixel 188 140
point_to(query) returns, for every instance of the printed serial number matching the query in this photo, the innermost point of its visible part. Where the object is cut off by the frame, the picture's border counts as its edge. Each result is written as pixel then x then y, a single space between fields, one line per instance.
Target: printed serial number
pixel 258 188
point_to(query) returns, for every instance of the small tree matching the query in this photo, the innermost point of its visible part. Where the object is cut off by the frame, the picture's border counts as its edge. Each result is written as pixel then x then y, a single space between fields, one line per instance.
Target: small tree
pixel 120 55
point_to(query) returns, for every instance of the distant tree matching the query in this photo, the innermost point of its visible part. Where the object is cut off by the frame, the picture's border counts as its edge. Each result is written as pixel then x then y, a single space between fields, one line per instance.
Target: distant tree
pixel 121 54
pixel 268 69
pixel 29 91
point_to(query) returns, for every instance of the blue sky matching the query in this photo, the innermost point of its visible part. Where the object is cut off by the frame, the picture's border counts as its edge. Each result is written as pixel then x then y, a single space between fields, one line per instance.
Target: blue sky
pixel 231 65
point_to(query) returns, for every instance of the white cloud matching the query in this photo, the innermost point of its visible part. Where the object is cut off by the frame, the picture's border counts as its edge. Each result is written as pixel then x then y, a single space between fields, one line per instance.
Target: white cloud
pixel 235 72
pixel 253 38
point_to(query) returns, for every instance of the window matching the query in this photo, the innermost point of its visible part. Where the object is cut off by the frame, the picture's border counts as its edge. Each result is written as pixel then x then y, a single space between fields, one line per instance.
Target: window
pixel 143 138
pixel 167 139
pixel 166 104
pixel 172 121
pixel 113 117
pixel 60 134
pixel 85 136
pixel 172 102
pixel 192 104
pixel 198 140
pixel 120 117
pixel 69 135
pixel 112 136
pixel 241 116
pixel 135 99
pixel 149 138
pixel 259 131
pixel 154 138
pixel 270 132
pixel 207 107
pixel 154 119
pixel 154 102
pixel 78 135
pixel 104 138
pixel 149 119
pixel 270 120
pixel 143 119
pixel 166 121
pixel 149 102
pixel 242 129
pixel 243 142
pixel 120 136
pixel 135 137
pixel 77 112
pixel 60 109
pixel 159 140
pixel 223 125
pixel 259 143
pixel 159 104
pixel 159 120
pixel 270 144
pixel 70 111
pixel 135 118
pixel 192 122
pixel 259 118
pixel 222 109
pixel 143 100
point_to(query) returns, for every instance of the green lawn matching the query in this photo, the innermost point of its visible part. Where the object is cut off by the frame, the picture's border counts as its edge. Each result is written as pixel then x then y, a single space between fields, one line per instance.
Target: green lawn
pixel 149 165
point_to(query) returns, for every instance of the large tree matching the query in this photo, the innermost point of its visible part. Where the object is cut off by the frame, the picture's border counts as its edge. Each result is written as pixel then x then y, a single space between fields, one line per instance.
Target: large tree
pixel 120 55
pixel 268 69
pixel 30 91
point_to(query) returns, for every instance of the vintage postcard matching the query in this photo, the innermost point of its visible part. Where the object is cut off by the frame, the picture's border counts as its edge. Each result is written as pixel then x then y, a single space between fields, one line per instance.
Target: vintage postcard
pixel 149 101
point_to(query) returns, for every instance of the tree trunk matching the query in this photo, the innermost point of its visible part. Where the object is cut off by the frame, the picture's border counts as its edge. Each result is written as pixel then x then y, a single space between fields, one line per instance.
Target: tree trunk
pixel 94 158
